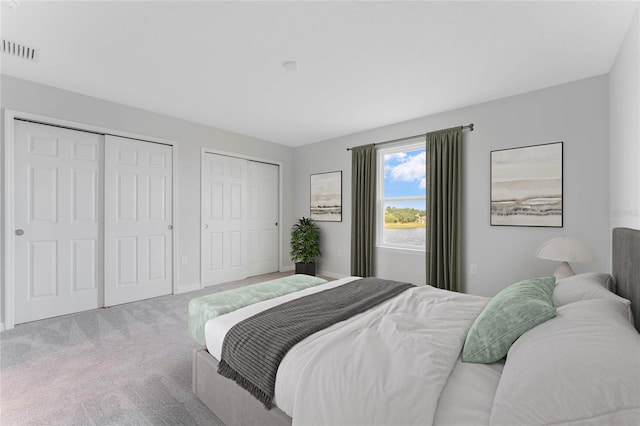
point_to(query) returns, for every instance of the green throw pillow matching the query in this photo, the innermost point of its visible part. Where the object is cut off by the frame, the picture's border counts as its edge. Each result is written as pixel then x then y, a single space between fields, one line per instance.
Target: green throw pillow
pixel 515 310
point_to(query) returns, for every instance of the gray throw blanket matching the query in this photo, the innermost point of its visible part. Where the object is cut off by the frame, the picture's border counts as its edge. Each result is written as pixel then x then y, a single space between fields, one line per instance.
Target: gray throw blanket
pixel 253 348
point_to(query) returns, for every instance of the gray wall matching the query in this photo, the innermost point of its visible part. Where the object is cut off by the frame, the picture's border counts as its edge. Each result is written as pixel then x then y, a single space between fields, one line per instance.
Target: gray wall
pixel 624 132
pixel 576 113
pixel 25 96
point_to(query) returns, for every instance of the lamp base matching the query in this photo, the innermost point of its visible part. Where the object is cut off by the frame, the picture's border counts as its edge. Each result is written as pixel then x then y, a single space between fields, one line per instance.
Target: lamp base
pixel 563 270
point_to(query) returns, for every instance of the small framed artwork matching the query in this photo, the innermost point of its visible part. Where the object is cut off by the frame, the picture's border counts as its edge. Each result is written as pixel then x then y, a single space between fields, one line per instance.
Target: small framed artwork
pixel 526 186
pixel 326 197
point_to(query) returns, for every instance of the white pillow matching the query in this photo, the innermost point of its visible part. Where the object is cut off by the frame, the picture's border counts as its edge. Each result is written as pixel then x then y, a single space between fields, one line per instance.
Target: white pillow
pixel 592 285
pixel 605 280
pixel 581 367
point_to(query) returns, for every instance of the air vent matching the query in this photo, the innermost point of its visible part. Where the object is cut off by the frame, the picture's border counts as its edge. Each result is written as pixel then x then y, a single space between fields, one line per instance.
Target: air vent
pixel 19 50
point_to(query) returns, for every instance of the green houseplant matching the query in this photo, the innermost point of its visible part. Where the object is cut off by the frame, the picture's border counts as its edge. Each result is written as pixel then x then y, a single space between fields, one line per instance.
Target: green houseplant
pixel 305 245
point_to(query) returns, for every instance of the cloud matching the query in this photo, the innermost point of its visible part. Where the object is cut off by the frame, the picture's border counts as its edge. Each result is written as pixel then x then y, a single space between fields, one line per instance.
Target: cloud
pixel 398 156
pixel 412 168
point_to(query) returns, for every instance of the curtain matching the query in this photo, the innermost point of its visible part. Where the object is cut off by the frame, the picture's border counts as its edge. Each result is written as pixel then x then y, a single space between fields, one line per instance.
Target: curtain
pixel 444 212
pixel 363 209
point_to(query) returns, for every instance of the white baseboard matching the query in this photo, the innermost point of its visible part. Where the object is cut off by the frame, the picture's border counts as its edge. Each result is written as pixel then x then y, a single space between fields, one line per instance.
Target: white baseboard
pixel 1 326
pixel 287 268
pixel 332 274
pixel 187 289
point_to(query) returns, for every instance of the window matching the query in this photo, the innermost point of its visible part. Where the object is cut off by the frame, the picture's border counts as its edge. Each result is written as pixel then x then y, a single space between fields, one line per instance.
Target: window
pixel 402 196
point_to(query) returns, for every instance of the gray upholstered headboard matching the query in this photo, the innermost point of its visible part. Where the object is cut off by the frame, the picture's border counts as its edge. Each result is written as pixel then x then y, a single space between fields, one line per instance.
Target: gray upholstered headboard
pixel 626 267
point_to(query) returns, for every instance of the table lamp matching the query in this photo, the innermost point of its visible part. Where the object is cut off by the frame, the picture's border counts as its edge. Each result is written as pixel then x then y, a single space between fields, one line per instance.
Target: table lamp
pixel 565 250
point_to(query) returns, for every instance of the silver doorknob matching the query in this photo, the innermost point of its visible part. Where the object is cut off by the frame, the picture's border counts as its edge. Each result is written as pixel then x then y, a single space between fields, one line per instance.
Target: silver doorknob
pixel 206 226
pixel 19 232
pixel 170 227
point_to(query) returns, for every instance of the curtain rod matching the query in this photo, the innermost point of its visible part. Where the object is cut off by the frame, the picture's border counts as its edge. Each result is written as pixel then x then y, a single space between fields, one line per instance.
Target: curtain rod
pixel 468 126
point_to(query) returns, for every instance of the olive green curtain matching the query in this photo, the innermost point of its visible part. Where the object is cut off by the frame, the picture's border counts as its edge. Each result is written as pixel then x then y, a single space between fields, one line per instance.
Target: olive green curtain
pixel 444 210
pixel 363 209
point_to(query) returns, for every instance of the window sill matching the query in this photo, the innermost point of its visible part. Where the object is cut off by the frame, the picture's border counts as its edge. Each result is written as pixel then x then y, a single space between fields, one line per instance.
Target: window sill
pixel 401 250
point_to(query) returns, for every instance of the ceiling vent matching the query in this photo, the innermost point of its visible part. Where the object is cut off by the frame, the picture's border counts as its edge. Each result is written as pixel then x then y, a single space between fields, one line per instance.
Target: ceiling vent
pixel 19 50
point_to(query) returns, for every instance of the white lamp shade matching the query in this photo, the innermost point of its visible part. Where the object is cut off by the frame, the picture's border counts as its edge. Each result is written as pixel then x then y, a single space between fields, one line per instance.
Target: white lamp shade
pixel 563 249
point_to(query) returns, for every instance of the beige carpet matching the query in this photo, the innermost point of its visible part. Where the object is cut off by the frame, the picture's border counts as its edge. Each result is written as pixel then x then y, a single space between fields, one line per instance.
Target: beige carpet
pixel 126 365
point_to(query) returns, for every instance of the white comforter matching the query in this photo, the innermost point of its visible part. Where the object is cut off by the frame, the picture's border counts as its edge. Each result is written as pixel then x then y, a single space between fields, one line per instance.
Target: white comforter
pixel 385 366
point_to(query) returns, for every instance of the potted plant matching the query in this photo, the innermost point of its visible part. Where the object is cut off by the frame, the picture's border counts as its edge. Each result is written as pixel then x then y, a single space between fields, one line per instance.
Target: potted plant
pixel 305 245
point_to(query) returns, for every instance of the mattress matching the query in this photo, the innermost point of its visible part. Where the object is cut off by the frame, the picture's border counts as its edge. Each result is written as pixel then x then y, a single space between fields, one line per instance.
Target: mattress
pixel 202 309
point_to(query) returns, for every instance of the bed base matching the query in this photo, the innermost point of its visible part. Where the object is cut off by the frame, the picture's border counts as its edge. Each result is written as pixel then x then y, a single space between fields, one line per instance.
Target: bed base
pixel 231 403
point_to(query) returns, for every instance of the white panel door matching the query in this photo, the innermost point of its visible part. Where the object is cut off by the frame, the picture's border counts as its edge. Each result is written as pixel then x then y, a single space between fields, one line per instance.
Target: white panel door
pixel 223 219
pixel 138 220
pixel 262 218
pixel 58 212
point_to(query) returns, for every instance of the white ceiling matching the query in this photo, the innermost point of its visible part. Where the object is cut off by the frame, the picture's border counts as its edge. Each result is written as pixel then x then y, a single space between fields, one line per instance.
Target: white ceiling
pixel 362 64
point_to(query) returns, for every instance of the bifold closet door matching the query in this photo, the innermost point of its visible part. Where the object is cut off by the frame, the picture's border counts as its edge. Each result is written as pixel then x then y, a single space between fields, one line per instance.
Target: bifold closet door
pixel 57 217
pixel 262 217
pixel 138 220
pixel 223 204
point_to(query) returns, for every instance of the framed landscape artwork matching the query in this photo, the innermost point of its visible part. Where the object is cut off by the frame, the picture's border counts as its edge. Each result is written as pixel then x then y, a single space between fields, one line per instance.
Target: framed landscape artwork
pixel 326 197
pixel 526 186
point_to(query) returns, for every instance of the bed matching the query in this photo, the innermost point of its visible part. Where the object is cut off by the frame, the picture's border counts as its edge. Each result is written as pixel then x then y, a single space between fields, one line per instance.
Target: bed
pixel 400 363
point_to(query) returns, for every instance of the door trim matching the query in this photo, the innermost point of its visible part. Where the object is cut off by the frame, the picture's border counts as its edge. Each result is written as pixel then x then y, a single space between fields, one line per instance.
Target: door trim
pixel 205 150
pixel 9 195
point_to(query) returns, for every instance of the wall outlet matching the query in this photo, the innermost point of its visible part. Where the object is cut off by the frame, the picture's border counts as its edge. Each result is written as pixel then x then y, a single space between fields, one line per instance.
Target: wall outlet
pixel 474 269
pixel 183 260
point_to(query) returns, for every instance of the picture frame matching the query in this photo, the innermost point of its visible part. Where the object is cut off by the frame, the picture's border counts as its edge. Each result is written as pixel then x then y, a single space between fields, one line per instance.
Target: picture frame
pixel 527 186
pixel 326 197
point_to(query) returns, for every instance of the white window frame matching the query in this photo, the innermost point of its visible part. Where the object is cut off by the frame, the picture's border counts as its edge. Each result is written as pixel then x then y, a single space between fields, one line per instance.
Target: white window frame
pixel 410 145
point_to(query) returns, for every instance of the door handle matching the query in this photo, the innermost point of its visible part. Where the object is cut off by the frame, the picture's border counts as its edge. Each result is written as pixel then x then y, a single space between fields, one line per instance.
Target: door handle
pixel 170 227
pixel 206 226
pixel 19 232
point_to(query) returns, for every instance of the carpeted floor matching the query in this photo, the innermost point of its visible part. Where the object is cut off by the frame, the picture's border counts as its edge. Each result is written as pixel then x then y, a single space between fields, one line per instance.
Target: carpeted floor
pixel 126 365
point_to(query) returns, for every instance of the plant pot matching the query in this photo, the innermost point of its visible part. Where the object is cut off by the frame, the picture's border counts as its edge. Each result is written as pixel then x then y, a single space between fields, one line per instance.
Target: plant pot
pixel 306 268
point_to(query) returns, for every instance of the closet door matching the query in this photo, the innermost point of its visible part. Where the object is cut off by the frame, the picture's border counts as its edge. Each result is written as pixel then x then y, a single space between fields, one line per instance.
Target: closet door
pixel 262 217
pixel 58 204
pixel 223 248
pixel 138 220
